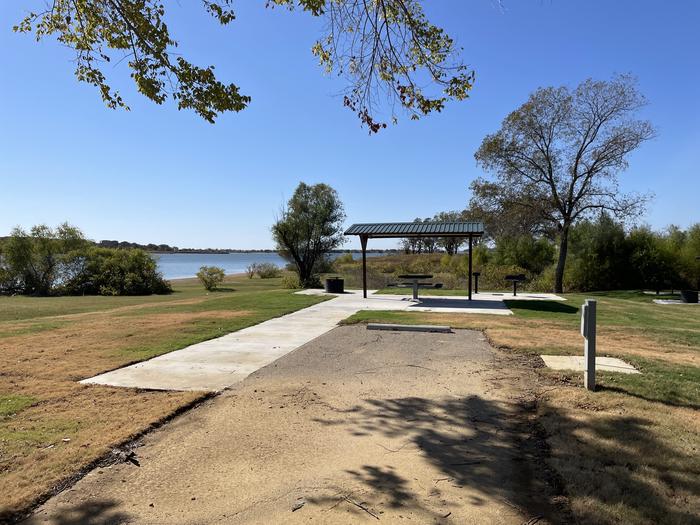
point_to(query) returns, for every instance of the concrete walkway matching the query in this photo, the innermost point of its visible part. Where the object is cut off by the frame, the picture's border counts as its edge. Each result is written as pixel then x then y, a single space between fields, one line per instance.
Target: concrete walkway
pixel 218 363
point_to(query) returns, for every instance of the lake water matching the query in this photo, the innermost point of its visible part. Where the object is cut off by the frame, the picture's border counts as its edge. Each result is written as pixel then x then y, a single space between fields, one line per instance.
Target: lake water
pixel 183 265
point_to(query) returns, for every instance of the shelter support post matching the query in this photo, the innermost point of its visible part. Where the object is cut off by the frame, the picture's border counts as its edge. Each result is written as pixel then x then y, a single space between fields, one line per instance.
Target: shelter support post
pixel 470 267
pixel 363 242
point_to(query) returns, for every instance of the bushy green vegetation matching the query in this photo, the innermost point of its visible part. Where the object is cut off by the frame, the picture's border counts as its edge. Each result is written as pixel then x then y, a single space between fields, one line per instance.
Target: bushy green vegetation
pixel 310 227
pixel 264 270
pixel 211 277
pixel 60 261
pixel 602 256
pixel 606 257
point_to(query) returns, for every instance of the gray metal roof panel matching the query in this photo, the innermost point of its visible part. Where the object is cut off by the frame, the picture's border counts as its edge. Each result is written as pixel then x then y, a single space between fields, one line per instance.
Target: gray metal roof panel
pixel 399 229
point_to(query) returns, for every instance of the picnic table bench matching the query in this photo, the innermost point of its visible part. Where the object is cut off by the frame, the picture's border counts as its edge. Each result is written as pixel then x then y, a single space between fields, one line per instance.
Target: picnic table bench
pixel 414 281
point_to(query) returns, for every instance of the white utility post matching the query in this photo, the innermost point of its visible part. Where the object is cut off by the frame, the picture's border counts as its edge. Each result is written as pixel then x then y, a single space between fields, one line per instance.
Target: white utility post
pixel 588 332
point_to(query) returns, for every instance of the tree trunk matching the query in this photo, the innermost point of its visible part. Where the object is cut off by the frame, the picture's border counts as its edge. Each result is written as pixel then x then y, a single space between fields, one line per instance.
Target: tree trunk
pixel 561 262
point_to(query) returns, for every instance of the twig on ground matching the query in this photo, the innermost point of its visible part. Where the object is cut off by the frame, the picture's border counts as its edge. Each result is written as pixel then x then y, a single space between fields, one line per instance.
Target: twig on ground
pixel 391 449
pixel 361 506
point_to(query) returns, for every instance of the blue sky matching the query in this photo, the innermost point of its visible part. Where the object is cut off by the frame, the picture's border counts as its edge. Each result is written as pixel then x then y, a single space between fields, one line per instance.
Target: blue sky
pixel 159 175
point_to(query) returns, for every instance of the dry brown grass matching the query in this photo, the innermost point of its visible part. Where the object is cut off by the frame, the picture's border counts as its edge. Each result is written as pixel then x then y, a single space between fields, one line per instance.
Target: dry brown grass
pixel 46 365
pixel 62 426
pixel 70 352
pixel 531 335
pixel 622 459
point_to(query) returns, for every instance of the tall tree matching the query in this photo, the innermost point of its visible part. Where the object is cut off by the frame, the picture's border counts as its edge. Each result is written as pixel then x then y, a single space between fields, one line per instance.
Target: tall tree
pixel 38 259
pixel 450 244
pixel 557 157
pixel 387 50
pixel 310 226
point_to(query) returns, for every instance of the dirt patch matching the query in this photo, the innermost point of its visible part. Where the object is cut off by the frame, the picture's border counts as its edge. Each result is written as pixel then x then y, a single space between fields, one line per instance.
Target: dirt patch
pixel 353 427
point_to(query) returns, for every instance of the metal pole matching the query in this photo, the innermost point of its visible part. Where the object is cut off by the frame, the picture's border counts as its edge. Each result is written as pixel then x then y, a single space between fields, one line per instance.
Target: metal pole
pixel 470 267
pixel 363 242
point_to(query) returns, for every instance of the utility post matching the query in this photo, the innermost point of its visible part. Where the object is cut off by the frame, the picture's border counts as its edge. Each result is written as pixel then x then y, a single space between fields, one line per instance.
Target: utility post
pixel 588 321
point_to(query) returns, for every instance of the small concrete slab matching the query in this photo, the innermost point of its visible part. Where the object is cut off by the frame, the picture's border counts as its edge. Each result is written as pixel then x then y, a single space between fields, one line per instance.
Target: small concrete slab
pixel 409 328
pixel 574 362
pixel 673 301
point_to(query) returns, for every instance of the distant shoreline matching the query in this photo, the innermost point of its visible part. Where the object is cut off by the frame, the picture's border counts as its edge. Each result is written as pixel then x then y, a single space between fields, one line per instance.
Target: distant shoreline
pixel 224 252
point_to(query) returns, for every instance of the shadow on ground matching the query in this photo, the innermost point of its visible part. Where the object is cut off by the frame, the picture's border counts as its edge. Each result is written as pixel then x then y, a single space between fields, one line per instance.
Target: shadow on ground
pixel 673 399
pixel 495 451
pixel 465 304
pixel 473 442
pixel 616 469
pixel 100 512
pixel 542 306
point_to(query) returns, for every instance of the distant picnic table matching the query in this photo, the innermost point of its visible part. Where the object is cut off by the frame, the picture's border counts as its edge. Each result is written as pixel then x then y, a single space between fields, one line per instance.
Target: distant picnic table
pixel 515 279
pixel 415 282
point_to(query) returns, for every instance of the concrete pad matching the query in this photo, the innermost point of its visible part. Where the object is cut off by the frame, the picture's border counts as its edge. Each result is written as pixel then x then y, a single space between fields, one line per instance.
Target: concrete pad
pixel 218 363
pixel 674 301
pixel 409 327
pixel 460 305
pixel 571 362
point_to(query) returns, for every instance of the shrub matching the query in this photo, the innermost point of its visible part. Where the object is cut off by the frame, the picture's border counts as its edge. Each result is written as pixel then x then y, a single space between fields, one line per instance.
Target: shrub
pixel 493 277
pixel 108 271
pixel 345 258
pixel 211 277
pixel 449 281
pixel 267 270
pixel 290 280
pixel 375 278
pixel 524 251
pixel 251 270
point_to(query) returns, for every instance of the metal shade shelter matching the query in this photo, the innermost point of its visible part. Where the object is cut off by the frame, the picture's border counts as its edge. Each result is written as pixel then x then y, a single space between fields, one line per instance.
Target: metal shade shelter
pixel 400 230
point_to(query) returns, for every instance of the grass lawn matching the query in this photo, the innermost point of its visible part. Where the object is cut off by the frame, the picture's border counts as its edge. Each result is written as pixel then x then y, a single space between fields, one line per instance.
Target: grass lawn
pixel 630 452
pixel 51 427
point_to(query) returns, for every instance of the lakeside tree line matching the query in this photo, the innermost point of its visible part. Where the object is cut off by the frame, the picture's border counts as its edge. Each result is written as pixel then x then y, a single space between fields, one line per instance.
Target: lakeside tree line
pixel 603 255
pixel 61 261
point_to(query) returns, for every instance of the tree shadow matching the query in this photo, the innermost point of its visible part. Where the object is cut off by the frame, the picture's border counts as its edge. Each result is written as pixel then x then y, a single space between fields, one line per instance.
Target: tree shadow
pixel 556 307
pixel 93 512
pixel 664 400
pixel 622 471
pixel 473 442
pixel 495 450
pixel 223 289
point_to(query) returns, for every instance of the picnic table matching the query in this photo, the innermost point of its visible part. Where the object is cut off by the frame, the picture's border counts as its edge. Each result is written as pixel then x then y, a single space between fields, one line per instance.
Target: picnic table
pixel 415 283
pixel 515 279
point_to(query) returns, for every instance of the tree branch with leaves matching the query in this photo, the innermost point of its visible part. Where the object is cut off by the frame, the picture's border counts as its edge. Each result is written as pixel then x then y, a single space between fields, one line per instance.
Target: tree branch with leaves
pixel 386 50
